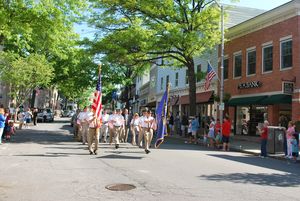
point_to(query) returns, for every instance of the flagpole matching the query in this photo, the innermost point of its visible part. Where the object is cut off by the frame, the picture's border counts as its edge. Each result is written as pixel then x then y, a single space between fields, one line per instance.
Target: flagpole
pixel 97 120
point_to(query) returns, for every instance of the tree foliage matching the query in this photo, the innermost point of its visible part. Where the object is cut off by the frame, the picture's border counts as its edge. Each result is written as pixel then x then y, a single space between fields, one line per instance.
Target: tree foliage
pixel 140 32
pixel 23 75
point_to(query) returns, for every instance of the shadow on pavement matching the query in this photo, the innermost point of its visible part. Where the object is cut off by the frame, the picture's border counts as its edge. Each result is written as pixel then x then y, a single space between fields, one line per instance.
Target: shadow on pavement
pixel 279 180
pixel 114 156
pixel 42 155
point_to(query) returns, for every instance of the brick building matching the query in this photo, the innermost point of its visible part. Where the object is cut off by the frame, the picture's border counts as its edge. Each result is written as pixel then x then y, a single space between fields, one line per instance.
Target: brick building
pixel 262 69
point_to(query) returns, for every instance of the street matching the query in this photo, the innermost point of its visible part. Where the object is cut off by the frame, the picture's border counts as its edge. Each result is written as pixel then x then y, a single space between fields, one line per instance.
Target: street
pixel 44 163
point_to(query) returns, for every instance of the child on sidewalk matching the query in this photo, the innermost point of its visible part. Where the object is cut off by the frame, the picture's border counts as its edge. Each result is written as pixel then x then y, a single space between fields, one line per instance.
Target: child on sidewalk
pixel 295 148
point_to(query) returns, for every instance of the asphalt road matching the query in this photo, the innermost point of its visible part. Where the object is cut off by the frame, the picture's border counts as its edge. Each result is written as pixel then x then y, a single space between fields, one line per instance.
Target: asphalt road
pixel 44 163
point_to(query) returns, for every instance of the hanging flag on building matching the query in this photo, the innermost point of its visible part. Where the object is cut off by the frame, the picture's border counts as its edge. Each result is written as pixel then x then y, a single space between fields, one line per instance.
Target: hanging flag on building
pixel 209 76
pixel 97 102
pixel 161 118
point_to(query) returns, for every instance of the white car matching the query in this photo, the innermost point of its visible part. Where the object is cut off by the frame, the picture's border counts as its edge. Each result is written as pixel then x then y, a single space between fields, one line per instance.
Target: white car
pixel 45 115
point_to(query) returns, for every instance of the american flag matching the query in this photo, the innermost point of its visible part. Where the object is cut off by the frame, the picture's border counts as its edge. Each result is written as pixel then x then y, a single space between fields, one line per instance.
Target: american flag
pixel 209 76
pixel 97 103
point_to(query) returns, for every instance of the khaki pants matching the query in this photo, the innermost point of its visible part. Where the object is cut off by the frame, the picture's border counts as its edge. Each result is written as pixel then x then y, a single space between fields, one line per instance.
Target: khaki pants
pixel 117 132
pixel 93 136
pixel 124 134
pixel 134 132
pixel 111 135
pixel 84 132
pixel 147 136
pixel 140 138
pixel 103 133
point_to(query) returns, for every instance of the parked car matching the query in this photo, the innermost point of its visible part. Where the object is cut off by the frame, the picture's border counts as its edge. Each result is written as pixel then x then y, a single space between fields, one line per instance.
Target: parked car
pixel 67 113
pixel 45 115
pixel 73 120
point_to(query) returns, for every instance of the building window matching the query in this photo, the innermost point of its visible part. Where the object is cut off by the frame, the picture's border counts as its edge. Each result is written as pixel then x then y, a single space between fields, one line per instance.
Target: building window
pixel 267 58
pixel 251 62
pixel 187 76
pixel 286 54
pixel 199 73
pixel 161 83
pixel 225 65
pixel 176 79
pixel 167 80
pixel 237 65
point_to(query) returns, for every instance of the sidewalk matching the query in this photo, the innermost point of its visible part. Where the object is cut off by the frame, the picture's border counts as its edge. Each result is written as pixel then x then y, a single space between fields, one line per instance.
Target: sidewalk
pixel 242 145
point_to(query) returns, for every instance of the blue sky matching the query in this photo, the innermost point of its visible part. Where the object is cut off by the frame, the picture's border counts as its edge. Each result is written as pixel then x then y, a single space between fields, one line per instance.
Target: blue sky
pixel 85 31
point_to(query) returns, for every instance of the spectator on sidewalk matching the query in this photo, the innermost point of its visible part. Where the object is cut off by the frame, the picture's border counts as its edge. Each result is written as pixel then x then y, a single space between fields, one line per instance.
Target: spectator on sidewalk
pixel 264 139
pixel 184 125
pixel 295 148
pixel 35 114
pixel 289 134
pixel 194 128
pixel 211 132
pixel 28 117
pixel 177 124
pixel 21 118
pixel 171 124
pixel 2 123
pixel 226 130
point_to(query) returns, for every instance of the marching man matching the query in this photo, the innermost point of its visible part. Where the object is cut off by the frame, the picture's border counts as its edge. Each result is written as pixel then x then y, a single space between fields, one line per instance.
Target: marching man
pixel 118 123
pixel 104 127
pixel 146 126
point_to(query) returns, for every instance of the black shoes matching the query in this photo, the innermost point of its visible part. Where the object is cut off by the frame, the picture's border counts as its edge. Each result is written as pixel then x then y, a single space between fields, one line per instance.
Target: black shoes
pixel 95 152
pixel 91 152
pixel 147 151
pixel 117 146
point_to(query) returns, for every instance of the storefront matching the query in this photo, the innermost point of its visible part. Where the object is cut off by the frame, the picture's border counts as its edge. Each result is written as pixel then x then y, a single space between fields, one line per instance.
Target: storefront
pixel 252 111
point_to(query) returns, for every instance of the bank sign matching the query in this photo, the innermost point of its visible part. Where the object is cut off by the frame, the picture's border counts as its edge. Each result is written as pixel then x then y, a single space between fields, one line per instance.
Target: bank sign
pixel 288 88
pixel 249 85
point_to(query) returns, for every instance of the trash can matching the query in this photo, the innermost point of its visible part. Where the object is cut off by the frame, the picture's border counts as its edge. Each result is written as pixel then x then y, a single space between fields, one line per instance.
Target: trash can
pixel 275 143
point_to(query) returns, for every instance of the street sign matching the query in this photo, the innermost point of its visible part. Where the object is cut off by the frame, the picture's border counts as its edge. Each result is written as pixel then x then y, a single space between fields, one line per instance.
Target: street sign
pixel 221 107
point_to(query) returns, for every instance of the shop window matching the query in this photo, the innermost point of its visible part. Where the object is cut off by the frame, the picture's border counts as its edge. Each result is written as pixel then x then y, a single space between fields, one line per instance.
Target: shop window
pixel 225 65
pixel 286 54
pixel 268 58
pixel 237 66
pixel 176 79
pixel 251 62
pixel 161 83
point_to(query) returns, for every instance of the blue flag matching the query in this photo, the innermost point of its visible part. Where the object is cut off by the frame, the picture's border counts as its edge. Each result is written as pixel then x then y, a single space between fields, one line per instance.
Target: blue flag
pixel 161 114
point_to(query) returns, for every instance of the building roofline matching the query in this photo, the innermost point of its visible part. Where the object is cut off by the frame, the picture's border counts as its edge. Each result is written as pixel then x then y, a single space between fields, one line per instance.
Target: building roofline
pixel 268 18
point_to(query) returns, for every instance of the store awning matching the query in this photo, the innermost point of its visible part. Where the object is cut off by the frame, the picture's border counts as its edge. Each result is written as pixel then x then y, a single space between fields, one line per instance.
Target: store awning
pixel 277 99
pixel 203 97
pixel 254 100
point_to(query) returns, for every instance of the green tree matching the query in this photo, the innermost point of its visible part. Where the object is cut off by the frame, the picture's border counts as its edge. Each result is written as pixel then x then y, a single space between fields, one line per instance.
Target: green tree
pixel 23 75
pixel 142 32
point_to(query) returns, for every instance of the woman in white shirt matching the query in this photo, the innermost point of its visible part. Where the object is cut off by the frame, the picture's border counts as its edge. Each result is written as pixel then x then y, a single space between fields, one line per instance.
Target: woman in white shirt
pixel 134 126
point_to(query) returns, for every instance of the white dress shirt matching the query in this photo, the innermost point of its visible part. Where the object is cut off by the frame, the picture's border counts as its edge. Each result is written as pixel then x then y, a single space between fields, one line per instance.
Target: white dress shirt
pixel 105 119
pixel 146 122
pixel 119 120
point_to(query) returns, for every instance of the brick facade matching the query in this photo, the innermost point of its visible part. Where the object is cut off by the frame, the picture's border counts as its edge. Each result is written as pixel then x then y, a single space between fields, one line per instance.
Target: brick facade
pixel 271 82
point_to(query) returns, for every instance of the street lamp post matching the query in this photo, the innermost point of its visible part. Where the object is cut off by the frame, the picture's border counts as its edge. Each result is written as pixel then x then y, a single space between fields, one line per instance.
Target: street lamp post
pixel 221 106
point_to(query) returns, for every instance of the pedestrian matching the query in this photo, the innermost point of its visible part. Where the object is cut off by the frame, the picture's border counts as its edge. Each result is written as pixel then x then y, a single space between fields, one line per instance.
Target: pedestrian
pixel 118 123
pixel 289 134
pixel 125 130
pixel 194 129
pixel 111 127
pixel 141 133
pixel 226 130
pixel 83 119
pixel 211 132
pixel 21 118
pixel 264 139
pixel 184 124
pixel 3 116
pixel 9 130
pixel 104 127
pixel 171 124
pixel 146 124
pixel 177 124
pixel 35 114
pixel 218 134
pixel 134 126
pixel 93 135
pixel 28 117
pixel 295 148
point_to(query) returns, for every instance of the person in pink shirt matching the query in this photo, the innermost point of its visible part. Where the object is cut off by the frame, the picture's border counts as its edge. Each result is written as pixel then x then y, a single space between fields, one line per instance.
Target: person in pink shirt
pixel 289 137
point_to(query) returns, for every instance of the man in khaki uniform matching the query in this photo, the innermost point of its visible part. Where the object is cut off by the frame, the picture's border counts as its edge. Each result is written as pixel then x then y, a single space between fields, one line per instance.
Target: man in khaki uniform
pixel 111 127
pixel 118 123
pixel 93 135
pixel 83 119
pixel 146 124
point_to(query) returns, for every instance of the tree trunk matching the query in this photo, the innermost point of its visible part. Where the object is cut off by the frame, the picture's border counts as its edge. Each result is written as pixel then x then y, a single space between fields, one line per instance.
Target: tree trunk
pixel 192 87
